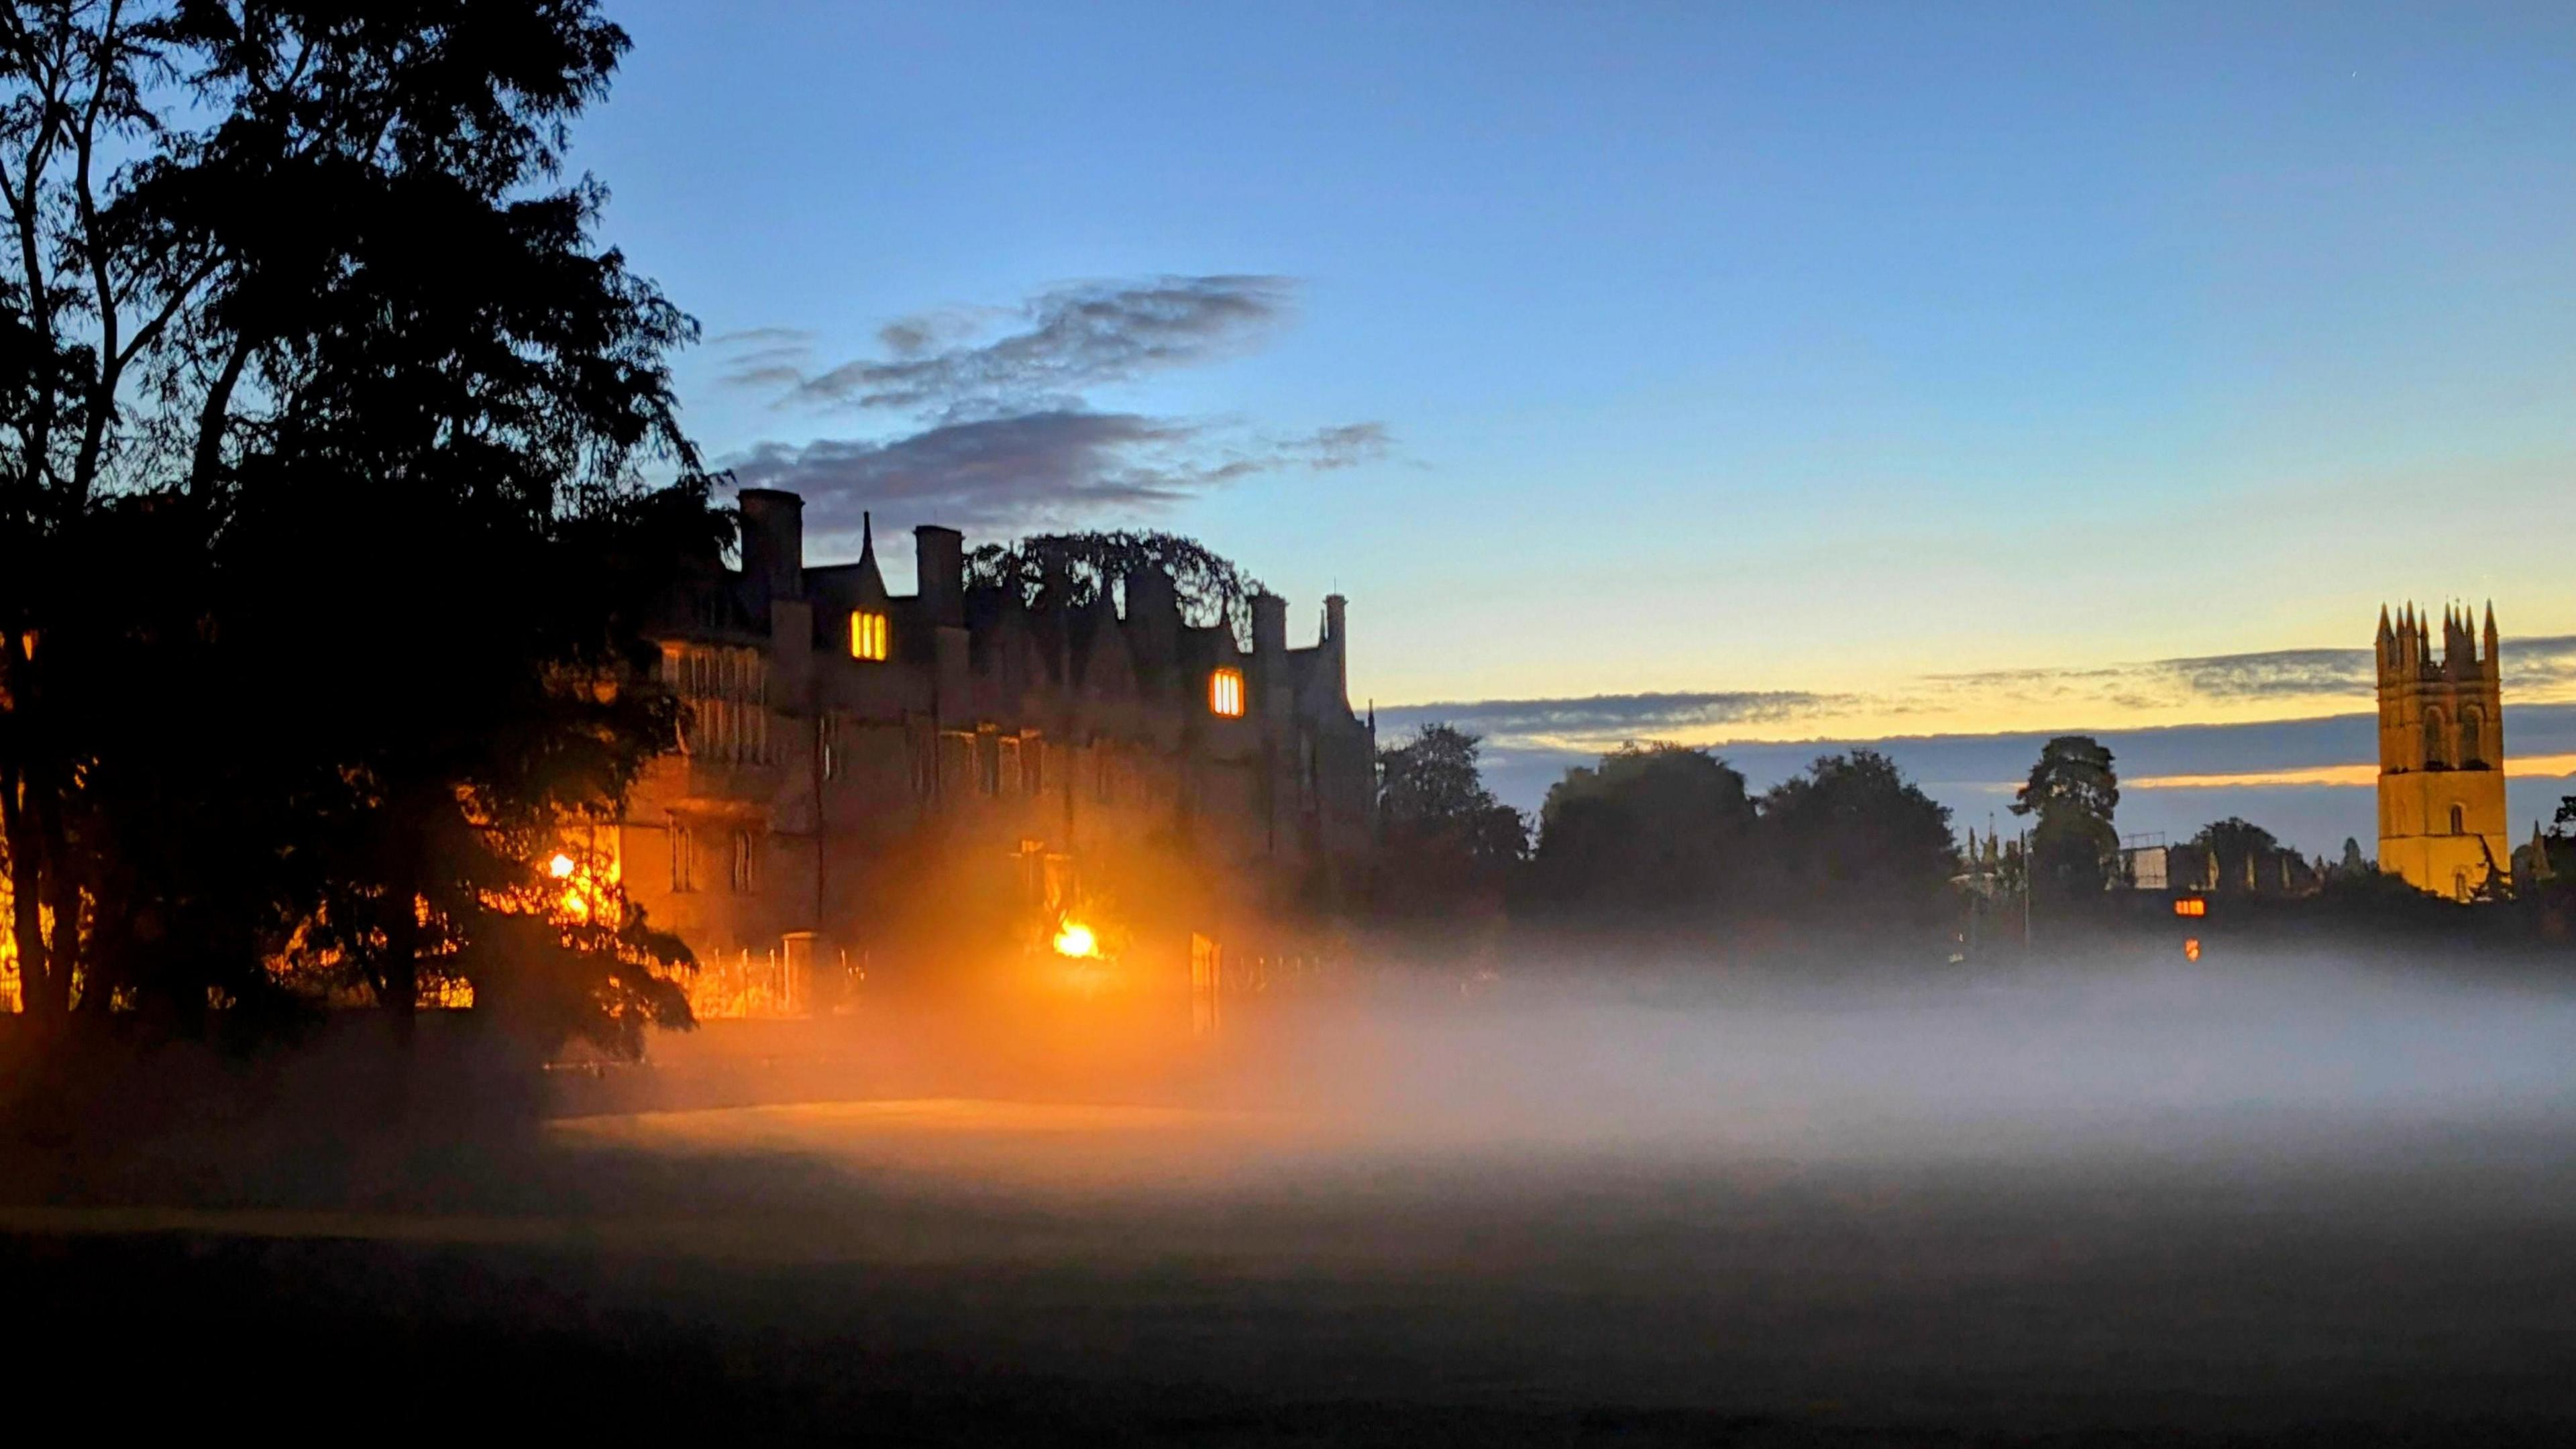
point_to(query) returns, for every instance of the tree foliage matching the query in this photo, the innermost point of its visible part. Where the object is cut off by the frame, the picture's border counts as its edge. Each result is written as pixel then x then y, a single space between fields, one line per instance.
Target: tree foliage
pixel 2074 792
pixel 327 424
pixel 1075 570
pixel 1445 844
pixel 1851 841
pixel 1652 831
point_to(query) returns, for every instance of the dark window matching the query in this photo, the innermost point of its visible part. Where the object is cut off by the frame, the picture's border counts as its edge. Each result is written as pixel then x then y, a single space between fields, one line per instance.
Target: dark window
pixel 743 851
pixel 2459 821
pixel 684 864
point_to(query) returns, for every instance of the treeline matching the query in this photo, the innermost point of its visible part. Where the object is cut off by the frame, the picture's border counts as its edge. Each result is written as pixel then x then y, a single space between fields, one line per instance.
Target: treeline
pixel 1663 840
pixel 340 472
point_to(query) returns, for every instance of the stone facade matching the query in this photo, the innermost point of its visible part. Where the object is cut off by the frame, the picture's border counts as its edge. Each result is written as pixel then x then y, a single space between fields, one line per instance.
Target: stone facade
pixel 897 780
pixel 2441 754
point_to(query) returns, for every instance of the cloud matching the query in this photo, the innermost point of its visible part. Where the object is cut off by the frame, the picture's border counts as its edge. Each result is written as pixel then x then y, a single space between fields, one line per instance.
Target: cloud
pixel 1606 719
pixel 1033 470
pixel 1049 351
pixel 1004 434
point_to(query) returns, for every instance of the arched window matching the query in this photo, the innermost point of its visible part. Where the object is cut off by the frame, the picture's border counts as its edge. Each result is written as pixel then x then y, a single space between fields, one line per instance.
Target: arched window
pixel 1225 693
pixel 2459 821
pixel 867 635
pixel 2473 728
pixel 2437 740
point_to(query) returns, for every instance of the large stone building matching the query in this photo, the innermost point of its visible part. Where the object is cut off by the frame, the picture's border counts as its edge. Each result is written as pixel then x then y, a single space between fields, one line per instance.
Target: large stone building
pixel 902 781
pixel 2441 754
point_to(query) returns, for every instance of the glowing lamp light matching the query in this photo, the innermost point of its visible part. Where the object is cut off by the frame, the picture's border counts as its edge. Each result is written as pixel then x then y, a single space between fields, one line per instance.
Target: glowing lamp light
pixel 560 867
pixel 2191 906
pixel 1074 940
pixel 2191 949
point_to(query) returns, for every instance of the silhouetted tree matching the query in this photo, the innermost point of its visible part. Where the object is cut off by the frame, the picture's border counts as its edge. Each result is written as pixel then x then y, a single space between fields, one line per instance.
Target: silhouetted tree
pixel 325 554
pixel 1652 831
pixel 2352 863
pixel 1852 843
pixel 1074 569
pixel 2074 793
pixel 1445 844
pixel 2247 856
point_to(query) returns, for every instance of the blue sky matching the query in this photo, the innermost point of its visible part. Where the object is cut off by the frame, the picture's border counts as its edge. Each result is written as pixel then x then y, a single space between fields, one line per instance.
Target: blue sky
pixel 1621 349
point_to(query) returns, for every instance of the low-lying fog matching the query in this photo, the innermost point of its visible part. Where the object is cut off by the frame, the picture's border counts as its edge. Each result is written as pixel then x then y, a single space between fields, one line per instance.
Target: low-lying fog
pixel 2231 1194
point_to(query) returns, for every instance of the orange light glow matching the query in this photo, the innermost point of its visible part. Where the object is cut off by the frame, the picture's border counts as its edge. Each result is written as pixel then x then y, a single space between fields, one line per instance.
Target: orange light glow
pixel 1225 693
pixel 560 867
pixel 2191 949
pixel 2191 906
pixel 867 635
pixel 1075 940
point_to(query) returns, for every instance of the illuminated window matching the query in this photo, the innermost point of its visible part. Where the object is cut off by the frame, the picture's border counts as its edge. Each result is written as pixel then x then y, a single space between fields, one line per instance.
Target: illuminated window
pixel 1225 693
pixel 867 635
pixel 743 862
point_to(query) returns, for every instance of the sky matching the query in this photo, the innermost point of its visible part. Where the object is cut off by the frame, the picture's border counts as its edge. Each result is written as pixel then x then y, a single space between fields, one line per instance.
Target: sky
pixel 1840 372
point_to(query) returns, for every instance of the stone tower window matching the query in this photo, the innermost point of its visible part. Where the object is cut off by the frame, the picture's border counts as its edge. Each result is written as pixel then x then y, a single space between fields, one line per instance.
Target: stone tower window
pixel 868 635
pixel 2472 728
pixel 1225 693
pixel 2437 740
pixel 2459 820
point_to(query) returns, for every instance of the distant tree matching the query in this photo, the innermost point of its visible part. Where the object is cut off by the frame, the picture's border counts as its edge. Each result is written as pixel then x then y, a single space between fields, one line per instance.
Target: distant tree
pixel 2247 855
pixel 1434 778
pixel 1653 831
pixel 2353 862
pixel 1445 843
pixel 1853 841
pixel 2073 792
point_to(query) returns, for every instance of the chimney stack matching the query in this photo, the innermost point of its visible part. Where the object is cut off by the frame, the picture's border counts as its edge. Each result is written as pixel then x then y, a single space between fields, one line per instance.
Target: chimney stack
pixel 1269 624
pixel 773 543
pixel 939 563
pixel 1335 622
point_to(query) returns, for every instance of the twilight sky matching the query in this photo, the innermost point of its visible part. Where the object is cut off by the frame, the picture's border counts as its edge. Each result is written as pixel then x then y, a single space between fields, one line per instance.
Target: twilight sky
pixel 1839 371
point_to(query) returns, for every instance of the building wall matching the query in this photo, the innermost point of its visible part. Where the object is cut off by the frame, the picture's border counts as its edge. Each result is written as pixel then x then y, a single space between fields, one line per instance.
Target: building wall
pixel 987 768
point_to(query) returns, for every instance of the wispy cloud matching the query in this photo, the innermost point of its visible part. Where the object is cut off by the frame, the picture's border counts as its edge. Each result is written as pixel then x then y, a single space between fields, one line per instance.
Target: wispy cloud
pixel 1610 718
pixel 1003 432
pixel 1034 469
pixel 1055 347
pixel 2275 683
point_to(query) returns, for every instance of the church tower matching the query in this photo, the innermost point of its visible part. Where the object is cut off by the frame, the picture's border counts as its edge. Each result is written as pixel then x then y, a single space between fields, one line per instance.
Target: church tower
pixel 2441 754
